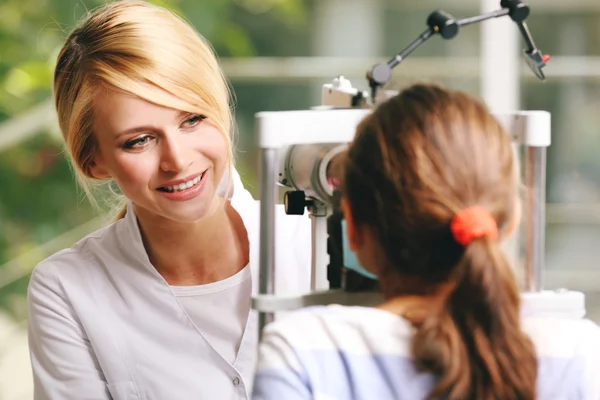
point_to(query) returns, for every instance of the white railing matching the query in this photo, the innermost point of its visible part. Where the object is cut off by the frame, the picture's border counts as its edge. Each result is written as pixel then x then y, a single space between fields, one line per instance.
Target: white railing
pixel 295 69
pixel 21 266
pixel 313 69
pixel 27 125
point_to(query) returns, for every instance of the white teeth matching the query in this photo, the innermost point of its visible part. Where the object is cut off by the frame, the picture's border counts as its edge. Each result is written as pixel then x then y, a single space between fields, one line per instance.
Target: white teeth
pixel 183 186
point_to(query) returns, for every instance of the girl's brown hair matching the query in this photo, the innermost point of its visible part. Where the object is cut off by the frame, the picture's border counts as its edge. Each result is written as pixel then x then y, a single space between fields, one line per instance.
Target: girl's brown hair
pixel 415 162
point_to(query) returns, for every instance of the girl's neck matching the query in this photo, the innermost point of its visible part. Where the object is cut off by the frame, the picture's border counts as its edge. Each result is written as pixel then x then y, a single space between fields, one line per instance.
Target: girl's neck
pixel 416 307
pixel 413 308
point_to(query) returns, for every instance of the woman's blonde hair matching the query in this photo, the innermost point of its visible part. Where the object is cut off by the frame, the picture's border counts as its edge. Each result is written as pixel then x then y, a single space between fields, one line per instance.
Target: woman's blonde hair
pixel 137 48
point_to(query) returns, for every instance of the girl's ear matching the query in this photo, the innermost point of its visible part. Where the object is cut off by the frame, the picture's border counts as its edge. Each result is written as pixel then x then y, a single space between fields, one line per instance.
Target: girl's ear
pixel 514 223
pixel 352 231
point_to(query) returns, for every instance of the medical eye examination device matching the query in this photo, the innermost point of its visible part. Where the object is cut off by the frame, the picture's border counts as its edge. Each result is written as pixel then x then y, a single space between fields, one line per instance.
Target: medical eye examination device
pixel 298 152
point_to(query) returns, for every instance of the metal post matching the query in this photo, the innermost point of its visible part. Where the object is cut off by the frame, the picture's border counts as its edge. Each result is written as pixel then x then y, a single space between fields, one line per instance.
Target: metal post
pixel 500 62
pixel 500 81
pixel 320 256
pixel 535 213
pixel 268 200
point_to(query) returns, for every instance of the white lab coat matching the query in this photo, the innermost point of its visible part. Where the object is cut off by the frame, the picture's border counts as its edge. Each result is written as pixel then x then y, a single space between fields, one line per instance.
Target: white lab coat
pixel 104 324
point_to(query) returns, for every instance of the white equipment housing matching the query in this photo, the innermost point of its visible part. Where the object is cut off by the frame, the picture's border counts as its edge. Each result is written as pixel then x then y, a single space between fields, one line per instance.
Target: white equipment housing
pixel 295 150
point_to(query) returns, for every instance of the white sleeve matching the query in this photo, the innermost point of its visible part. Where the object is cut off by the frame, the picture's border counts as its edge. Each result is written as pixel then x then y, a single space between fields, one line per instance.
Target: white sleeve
pixel 63 362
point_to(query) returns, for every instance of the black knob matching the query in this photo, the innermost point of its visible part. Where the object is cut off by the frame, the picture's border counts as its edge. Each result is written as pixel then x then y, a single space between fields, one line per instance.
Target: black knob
pixel 518 11
pixel 443 23
pixel 380 74
pixel 294 202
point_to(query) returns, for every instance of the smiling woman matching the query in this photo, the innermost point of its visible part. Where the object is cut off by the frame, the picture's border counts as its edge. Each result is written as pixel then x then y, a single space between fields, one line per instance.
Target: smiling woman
pixel 156 305
pixel 115 55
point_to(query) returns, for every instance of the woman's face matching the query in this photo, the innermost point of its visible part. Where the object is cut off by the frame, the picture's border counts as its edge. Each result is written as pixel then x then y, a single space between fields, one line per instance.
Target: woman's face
pixel 167 162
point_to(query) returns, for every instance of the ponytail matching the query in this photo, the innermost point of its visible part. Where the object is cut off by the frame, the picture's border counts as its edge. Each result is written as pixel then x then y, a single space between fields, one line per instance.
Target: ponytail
pixel 473 343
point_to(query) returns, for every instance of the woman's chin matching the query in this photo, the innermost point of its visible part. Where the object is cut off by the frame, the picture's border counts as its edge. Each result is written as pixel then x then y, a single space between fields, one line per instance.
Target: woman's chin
pixel 195 210
pixel 189 211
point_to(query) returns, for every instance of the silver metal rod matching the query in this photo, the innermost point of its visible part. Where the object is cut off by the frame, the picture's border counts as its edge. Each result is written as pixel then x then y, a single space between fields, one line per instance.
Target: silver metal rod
pixel 268 200
pixel 320 256
pixel 512 244
pixel 535 212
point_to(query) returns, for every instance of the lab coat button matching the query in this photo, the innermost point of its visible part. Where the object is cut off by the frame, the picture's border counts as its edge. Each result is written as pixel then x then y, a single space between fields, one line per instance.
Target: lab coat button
pixel 236 381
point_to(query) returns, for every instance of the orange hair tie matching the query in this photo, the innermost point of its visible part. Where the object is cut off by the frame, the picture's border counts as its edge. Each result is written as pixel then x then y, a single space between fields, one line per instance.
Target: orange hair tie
pixel 472 223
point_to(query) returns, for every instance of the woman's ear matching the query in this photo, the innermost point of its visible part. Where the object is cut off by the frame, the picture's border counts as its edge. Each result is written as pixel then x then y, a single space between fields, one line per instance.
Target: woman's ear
pixel 98 170
pixel 352 231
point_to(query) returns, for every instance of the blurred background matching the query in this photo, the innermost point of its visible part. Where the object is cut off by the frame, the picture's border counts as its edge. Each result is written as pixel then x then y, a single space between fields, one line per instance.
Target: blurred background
pixel 277 54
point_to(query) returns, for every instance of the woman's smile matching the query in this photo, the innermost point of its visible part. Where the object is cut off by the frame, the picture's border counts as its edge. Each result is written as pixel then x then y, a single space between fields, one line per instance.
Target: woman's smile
pixel 184 189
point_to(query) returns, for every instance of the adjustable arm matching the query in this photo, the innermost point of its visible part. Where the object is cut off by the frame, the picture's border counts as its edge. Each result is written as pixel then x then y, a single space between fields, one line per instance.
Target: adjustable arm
pixel 444 24
pixel 533 56
pixel 381 73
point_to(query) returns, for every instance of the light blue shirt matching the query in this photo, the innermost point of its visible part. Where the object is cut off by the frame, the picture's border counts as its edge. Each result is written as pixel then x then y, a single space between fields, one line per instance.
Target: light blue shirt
pixel 359 353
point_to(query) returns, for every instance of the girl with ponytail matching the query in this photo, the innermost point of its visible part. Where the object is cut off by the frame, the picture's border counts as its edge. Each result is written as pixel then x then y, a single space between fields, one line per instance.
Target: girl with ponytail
pixel 430 190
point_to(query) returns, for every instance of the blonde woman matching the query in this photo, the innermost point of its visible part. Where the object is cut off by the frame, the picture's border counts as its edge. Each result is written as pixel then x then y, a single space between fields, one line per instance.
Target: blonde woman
pixel 156 305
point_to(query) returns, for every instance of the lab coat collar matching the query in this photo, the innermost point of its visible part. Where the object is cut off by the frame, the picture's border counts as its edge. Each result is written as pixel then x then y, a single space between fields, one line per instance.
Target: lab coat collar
pixel 135 243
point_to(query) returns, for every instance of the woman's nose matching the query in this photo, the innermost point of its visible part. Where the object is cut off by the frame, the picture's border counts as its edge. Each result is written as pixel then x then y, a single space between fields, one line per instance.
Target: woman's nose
pixel 173 156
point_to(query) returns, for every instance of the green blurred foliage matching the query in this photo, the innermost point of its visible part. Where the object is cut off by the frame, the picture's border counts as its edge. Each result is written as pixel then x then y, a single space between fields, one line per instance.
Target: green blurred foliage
pixel 39 199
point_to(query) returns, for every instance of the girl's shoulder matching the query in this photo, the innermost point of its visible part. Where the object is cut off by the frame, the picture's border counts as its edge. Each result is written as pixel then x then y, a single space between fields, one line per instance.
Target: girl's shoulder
pixel 351 329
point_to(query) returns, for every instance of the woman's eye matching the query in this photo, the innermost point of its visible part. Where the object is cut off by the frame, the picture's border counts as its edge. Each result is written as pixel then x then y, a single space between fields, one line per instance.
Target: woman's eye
pixel 136 143
pixel 194 120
